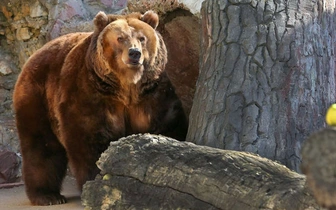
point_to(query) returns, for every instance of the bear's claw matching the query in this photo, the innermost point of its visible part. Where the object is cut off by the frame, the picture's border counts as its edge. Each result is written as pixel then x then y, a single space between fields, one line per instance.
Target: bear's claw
pixel 47 200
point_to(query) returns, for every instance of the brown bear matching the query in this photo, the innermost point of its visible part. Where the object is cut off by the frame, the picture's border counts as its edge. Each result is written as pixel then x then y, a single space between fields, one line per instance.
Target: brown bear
pixel 83 90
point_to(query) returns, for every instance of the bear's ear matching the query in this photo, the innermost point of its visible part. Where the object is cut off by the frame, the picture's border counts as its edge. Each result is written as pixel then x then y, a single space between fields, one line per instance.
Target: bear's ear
pixel 151 18
pixel 102 20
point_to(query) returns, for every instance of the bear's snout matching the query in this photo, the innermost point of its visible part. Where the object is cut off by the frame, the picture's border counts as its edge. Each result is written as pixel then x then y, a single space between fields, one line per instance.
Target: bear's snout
pixel 134 55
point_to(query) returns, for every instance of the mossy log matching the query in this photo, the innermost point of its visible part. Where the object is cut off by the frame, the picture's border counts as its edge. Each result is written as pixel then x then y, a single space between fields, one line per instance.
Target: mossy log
pixel 156 172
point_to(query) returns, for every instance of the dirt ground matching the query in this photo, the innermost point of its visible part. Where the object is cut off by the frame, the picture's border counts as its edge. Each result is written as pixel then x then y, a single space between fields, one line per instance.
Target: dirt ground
pixel 16 199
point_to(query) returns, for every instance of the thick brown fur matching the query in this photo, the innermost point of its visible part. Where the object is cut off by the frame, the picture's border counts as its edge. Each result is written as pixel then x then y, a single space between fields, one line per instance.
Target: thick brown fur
pixel 83 90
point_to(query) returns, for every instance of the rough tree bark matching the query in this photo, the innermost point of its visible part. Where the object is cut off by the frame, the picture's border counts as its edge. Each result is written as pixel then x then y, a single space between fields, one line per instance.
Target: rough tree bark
pixel 156 172
pixel 267 75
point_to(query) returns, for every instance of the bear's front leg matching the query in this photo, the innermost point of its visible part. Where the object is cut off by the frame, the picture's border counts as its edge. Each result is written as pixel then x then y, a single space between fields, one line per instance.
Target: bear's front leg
pixel 44 167
pixel 86 134
pixel 44 158
pixel 83 156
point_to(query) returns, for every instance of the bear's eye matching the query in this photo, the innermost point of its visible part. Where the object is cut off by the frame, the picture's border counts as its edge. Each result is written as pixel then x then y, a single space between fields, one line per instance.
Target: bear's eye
pixel 120 39
pixel 142 39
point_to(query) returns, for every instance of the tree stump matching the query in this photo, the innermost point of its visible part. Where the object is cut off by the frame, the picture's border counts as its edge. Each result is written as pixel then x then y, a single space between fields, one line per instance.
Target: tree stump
pixel 319 164
pixel 156 172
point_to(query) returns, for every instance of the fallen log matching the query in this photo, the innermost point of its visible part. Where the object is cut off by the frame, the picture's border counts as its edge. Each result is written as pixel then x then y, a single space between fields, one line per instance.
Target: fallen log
pixel 319 165
pixel 156 172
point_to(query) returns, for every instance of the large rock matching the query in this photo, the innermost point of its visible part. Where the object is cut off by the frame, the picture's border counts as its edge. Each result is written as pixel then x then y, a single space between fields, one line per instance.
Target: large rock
pixel 181 35
pixel 10 164
pixel 318 163
pixel 156 172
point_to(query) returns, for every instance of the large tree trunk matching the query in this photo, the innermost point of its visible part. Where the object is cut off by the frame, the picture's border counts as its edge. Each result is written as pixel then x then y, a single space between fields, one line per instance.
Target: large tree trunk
pixel 156 172
pixel 267 75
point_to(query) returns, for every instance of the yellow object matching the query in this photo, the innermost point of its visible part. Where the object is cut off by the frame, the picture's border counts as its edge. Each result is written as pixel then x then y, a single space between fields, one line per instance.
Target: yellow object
pixel 107 177
pixel 331 115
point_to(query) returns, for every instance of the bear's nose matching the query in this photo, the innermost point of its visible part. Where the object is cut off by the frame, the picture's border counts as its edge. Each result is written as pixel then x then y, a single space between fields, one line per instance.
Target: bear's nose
pixel 134 54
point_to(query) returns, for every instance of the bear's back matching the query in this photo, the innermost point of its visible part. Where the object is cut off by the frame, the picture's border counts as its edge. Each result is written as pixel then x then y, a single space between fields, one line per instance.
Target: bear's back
pixel 41 73
pixel 49 59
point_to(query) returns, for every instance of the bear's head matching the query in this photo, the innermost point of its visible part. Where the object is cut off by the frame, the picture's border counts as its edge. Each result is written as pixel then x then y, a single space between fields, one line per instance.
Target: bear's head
pixel 127 47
